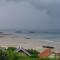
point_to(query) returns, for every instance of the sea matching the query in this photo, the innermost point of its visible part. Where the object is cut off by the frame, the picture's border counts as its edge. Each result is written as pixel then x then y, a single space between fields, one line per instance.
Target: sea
pixel 42 35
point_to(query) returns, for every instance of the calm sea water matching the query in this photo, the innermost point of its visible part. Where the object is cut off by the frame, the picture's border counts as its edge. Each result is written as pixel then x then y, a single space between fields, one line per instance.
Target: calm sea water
pixel 51 36
pixel 44 36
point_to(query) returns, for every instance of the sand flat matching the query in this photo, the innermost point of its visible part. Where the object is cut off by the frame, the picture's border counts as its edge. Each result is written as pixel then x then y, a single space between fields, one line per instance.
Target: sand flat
pixel 8 41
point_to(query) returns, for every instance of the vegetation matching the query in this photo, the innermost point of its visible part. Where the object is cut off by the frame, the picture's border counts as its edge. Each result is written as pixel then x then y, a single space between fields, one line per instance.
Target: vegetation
pixel 11 54
pixel 34 53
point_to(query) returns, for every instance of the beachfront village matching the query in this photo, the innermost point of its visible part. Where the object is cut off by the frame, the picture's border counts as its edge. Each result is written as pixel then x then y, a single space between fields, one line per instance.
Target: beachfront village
pixel 20 53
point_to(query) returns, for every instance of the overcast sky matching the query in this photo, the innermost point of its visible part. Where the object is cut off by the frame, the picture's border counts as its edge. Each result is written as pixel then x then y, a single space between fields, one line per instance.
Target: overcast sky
pixel 30 14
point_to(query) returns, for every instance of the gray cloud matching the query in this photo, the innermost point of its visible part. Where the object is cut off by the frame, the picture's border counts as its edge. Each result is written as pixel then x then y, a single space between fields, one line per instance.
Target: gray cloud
pixel 30 14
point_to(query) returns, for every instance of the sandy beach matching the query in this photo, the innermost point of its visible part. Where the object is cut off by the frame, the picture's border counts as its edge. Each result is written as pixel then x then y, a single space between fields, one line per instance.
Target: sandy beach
pixel 14 41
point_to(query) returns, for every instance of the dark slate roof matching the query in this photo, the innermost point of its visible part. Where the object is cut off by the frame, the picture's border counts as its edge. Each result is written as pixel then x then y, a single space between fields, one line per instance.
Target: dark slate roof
pixel 24 50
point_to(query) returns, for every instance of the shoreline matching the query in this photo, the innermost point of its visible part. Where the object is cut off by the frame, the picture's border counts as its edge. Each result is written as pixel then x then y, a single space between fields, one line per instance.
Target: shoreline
pixel 10 41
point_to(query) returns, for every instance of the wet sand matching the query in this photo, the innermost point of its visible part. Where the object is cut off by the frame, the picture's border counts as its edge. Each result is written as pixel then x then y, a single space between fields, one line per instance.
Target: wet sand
pixel 14 41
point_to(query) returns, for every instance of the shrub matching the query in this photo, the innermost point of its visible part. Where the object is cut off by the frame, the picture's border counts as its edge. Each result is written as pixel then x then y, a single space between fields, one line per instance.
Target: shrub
pixel 11 48
pixel 34 53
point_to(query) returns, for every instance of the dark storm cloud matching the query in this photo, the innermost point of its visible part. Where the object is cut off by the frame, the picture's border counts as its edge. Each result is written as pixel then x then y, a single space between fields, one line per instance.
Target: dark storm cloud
pixel 30 14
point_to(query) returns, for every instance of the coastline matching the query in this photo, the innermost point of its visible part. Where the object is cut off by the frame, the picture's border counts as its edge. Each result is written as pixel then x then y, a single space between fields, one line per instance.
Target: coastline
pixel 14 41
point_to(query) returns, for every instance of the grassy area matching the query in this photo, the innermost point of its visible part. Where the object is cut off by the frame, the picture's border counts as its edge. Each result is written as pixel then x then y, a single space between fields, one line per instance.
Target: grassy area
pixel 11 54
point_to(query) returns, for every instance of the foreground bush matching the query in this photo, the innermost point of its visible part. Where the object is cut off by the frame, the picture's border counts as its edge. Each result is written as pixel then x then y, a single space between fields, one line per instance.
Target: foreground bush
pixel 10 54
pixel 34 53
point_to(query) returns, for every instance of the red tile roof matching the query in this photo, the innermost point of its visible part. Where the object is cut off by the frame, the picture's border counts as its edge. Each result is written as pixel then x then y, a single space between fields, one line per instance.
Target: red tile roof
pixel 45 53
